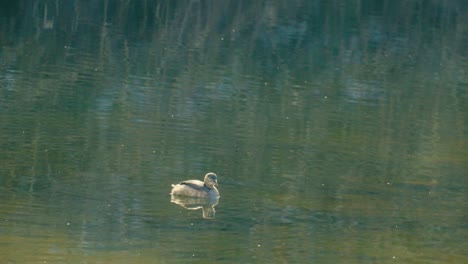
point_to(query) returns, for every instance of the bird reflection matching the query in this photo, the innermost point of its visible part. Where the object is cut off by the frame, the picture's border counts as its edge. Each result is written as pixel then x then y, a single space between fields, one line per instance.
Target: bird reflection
pixel 207 204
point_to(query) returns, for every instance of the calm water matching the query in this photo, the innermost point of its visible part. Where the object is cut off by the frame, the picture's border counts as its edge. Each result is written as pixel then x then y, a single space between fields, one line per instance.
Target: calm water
pixel 338 131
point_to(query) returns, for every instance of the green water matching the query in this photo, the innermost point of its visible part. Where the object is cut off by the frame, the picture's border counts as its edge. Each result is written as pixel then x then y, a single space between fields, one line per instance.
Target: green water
pixel 338 131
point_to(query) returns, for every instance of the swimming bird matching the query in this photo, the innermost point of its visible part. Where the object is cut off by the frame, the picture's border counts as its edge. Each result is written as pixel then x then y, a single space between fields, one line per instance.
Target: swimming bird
pixel 196 188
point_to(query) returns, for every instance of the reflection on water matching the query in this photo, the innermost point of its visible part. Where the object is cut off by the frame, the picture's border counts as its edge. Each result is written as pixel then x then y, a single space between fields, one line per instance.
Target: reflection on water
pixel 195 203
pixel 339 129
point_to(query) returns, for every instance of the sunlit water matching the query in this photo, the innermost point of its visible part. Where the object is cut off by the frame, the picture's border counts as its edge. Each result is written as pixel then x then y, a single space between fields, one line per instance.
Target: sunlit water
pixel 338 132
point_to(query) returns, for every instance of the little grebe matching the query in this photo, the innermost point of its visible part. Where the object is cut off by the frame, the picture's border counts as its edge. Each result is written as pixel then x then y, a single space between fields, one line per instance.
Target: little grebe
pixel 196 188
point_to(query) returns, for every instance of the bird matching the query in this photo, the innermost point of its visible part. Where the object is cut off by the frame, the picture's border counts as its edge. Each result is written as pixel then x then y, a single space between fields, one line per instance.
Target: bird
pixel 196 188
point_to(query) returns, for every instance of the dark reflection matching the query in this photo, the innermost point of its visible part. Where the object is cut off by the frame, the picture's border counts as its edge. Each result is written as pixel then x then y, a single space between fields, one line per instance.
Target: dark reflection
pixel 207 204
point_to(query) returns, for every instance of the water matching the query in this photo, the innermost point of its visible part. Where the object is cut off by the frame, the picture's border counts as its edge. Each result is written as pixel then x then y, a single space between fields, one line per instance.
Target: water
pixel 338 131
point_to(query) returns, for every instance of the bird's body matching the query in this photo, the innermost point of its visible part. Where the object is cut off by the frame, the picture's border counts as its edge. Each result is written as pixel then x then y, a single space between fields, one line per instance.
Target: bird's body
pixel 196 188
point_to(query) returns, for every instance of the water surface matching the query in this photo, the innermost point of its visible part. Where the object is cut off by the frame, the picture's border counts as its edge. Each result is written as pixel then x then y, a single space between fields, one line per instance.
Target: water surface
pixel 337 130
